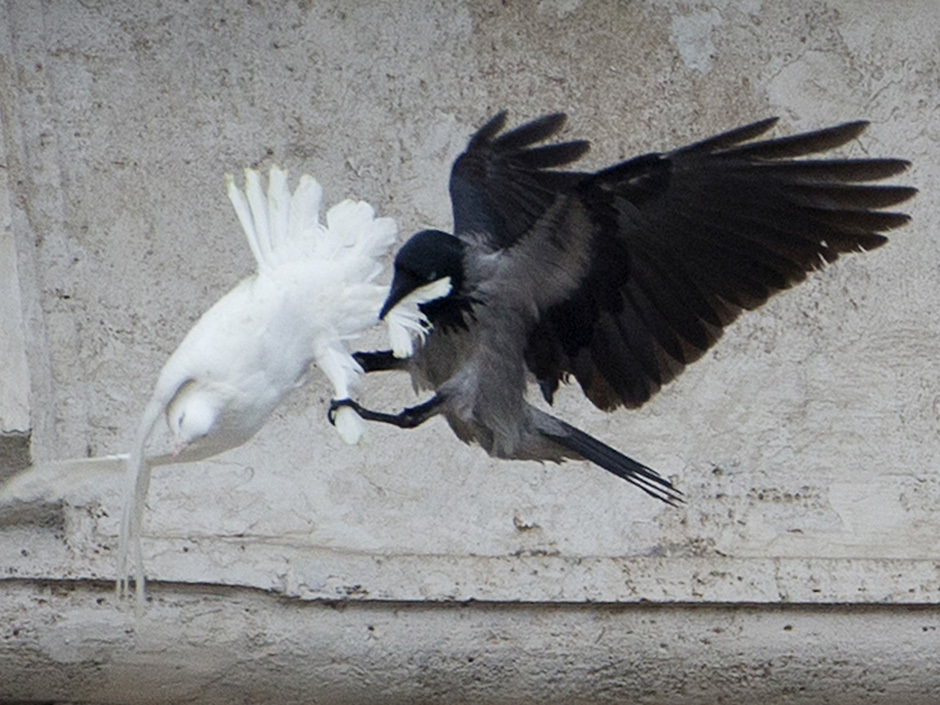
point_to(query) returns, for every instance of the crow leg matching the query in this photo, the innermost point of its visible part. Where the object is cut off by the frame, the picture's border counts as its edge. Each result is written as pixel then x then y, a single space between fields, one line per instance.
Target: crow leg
pixel 379 361
pixel 408 418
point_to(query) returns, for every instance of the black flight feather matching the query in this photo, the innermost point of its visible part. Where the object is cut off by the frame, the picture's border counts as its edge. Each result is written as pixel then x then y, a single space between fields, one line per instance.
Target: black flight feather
pixel 684 240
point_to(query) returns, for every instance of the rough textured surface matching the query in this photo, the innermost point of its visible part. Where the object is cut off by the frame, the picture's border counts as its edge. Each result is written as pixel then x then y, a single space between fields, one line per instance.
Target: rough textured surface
pixel 14 370
pixel 806 442
pixel 231 645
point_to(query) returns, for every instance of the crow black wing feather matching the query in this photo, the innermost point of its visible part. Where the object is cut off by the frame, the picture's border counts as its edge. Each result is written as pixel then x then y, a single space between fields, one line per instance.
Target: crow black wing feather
pixel 681 242
pixel 499 187
pixel 705 232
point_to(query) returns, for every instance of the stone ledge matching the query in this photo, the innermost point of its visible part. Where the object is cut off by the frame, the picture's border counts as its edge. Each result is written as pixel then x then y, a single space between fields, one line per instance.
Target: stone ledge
pixel 70 643
pixel 59 522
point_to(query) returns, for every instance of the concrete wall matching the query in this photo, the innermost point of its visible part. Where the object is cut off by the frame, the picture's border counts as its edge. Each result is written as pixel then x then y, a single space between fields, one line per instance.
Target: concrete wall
pixel 804 567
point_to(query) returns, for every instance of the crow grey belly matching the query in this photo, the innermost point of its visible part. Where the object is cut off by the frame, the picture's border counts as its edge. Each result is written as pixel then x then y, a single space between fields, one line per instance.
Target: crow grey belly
pixel 524 442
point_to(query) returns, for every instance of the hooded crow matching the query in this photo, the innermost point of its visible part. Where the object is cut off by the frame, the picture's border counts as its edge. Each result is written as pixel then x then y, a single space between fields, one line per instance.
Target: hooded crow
pixel 618 278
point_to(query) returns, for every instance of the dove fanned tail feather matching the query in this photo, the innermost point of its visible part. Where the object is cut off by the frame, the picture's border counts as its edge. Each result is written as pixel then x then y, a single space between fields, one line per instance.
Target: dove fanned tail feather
pixel 259 212
pixel 279 203
pixel 243 212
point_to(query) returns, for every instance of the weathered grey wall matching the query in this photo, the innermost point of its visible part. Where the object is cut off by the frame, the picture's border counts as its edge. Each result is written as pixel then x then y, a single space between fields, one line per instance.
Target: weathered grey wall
pixel 806 442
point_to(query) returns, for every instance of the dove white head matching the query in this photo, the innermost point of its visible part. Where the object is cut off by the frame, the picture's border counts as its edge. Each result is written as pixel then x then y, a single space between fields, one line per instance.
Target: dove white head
pixel 312 292
pixel 191 415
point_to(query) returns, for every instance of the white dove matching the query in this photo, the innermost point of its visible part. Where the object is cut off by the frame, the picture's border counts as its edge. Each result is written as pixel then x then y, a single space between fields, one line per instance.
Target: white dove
pixel 312 292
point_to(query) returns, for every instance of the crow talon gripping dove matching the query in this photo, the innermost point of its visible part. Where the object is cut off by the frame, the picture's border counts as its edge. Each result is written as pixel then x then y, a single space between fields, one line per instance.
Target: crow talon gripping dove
pixel 618 278
pixel 312 292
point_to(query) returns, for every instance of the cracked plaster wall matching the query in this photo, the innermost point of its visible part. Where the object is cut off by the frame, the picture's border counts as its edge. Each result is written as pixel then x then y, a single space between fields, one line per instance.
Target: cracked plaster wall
pixel 806 442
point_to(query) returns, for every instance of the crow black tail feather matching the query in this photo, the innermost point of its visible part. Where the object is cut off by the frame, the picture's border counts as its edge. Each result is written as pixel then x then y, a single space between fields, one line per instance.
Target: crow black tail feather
pixel 637 474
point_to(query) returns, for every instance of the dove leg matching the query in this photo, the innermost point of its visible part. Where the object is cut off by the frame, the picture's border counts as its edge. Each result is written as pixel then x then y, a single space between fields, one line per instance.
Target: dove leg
pixel 379 361
pixel 408 418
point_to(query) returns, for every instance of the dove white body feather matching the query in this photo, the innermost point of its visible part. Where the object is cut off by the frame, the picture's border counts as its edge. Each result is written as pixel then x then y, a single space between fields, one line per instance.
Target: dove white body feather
pixel 312 292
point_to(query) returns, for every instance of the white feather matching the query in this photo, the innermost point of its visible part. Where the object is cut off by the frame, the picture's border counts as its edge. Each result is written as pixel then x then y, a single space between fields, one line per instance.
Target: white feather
pixel 279 201
pixel 259 213
pixel 244 216
pixel 313 292
pixel 304 223
pixel 405 322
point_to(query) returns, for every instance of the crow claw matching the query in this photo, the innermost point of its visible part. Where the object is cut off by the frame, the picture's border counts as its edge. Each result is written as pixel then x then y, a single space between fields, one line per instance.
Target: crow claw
pixel 335 405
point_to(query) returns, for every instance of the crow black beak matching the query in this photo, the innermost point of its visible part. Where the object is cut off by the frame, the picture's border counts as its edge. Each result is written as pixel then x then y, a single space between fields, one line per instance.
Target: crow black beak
pixel 402 285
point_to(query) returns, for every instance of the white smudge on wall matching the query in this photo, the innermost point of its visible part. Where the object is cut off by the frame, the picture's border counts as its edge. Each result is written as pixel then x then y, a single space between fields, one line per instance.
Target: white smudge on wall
pixel 692 36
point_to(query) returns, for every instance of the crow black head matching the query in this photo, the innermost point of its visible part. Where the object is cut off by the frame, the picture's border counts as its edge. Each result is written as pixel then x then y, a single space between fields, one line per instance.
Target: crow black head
pixel 428 256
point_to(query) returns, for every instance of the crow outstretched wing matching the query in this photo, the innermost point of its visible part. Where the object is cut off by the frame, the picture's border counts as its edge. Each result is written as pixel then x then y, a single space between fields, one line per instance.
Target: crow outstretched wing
pixel 671 247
